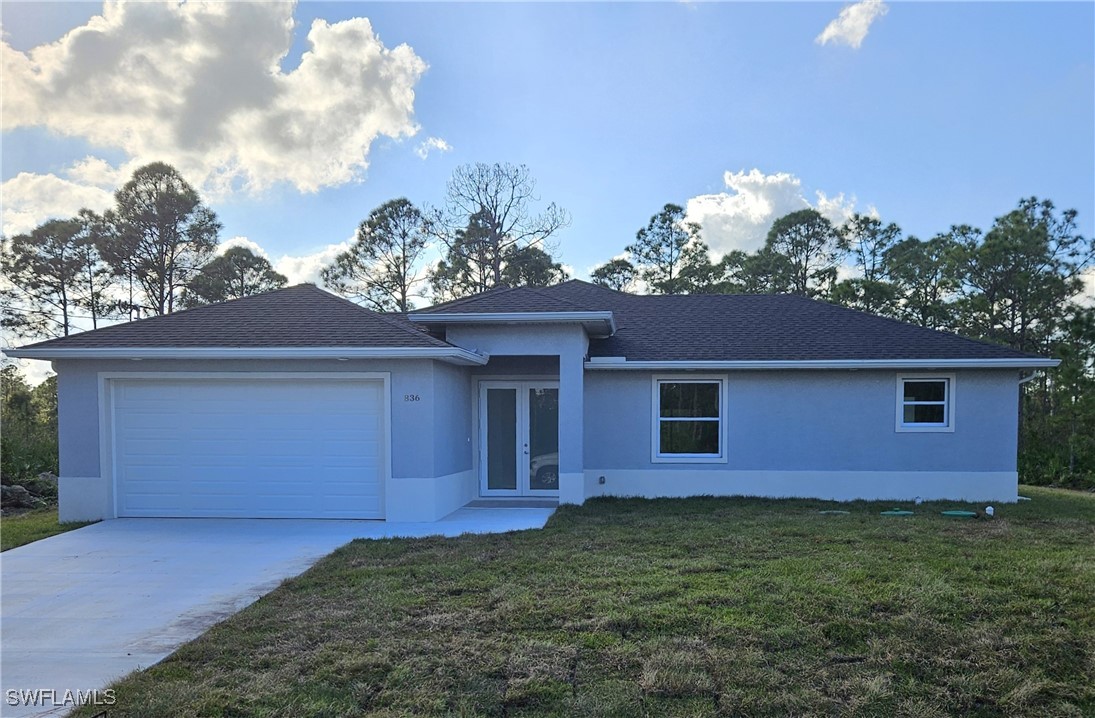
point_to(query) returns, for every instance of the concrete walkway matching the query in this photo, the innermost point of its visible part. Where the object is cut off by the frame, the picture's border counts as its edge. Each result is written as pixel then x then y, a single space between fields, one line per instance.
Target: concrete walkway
pixel 83 608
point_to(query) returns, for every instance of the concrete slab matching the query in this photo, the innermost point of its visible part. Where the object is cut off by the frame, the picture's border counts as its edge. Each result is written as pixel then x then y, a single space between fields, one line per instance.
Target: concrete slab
pixel 84 608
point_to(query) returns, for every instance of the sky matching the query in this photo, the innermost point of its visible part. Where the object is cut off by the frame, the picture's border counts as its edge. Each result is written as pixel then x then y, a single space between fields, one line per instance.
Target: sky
pixel 295 120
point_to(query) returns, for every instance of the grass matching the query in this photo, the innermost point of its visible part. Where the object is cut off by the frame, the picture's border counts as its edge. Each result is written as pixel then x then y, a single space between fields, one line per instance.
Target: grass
pixel 696 607
pixel 21 529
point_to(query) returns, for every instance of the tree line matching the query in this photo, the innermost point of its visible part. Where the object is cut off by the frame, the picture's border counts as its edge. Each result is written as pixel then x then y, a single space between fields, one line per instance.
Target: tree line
pixel 155 252
pixel 1017 284
pixel 28 443
pixel 152 253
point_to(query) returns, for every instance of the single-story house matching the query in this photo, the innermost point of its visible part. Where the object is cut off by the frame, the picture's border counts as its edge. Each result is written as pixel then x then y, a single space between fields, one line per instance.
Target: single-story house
pixel 298 403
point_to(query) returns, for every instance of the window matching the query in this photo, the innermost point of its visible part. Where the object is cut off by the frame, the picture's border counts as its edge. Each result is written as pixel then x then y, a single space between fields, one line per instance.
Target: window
pixel 688 419
pixel 925 403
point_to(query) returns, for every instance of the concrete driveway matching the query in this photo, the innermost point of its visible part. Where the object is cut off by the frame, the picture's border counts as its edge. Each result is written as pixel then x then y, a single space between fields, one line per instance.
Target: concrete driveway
pixel 83 608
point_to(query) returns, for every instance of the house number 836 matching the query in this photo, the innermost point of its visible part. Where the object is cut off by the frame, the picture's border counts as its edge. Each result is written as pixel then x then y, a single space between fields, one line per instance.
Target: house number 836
pixel 411 397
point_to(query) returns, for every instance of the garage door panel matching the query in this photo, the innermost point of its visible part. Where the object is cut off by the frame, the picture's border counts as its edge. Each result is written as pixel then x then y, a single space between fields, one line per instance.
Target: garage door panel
pixel 156 502
pixel 241 502
pixel 135 432
pixel 150 423
pixel 150 450
pixel 248 448
pixel 345 476
pixel 139 474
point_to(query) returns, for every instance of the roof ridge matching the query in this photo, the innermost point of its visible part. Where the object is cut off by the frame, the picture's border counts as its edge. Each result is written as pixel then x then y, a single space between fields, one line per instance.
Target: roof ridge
pixel 540 291
pixel 463 300
pixel 494 292
pixel 200 309
pixel 601 287
pixel 380 316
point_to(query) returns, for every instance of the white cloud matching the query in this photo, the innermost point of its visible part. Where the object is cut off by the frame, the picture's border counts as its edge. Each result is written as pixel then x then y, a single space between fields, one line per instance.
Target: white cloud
pixel 432 143
pixel 851 26
pixel 30 199
pixel 306 268
pixel 198 85
pixel 97 172
pixel 35 371
pixel 298 269
pixel 242 242
pixel 740 217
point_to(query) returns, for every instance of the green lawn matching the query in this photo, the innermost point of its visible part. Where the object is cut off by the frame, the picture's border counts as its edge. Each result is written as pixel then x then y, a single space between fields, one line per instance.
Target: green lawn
pixel 695 607
pixel 31 526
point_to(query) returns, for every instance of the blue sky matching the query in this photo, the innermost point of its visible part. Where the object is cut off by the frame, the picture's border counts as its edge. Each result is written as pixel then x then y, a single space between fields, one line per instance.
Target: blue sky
pixel 945 113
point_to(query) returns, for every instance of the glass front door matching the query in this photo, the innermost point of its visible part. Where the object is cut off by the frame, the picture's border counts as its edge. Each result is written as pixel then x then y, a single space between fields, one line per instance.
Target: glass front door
pixel 519 438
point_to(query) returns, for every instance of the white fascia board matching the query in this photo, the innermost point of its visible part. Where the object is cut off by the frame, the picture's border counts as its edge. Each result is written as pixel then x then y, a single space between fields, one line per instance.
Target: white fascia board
pixel 515 318
pixel 1017 363
pixel 453 355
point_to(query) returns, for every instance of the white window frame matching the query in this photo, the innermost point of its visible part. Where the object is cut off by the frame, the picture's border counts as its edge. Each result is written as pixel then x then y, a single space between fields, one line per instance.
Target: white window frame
pixel 656 456
pixel 948 403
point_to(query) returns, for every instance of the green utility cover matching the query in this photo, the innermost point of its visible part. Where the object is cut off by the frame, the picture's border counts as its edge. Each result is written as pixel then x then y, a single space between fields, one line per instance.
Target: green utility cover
pixel 960 514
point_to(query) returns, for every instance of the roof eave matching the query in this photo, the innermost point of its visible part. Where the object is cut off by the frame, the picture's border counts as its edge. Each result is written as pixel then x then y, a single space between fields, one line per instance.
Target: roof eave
pixel 618 363
pixel 451 355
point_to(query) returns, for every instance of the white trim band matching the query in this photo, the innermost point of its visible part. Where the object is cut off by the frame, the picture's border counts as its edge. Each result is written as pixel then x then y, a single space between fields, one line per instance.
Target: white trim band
pixel 454 355
pixel 1017 363
pixel 995 486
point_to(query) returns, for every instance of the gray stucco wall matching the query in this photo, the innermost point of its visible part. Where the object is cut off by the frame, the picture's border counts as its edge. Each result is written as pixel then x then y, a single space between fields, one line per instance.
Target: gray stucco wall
pixel 521 340
pixel 78 418
pixel 811 421
pixel 443 390
pixel 451 427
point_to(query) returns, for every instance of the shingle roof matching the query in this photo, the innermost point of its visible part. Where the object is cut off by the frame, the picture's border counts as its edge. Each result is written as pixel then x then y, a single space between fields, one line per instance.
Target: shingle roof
pixel 739 327
pixel 650 328
pixel 506 299
pixel 299 316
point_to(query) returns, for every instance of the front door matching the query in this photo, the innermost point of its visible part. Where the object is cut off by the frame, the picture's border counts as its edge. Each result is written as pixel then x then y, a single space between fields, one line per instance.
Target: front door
pixel 519 438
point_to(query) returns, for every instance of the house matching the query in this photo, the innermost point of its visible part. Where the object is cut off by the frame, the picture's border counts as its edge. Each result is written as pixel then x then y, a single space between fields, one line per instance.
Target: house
pixel 298 403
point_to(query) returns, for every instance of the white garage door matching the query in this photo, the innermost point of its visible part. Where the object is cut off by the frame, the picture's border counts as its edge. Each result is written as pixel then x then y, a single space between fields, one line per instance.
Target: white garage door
pixel 269 448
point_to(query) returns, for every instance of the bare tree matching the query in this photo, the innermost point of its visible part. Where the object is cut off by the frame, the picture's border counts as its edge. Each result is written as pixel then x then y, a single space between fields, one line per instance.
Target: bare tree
pixel 499 197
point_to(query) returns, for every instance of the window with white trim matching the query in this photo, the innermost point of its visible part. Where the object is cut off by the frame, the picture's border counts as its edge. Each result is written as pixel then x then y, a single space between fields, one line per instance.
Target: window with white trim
pixel 925 403
pixel 688 419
